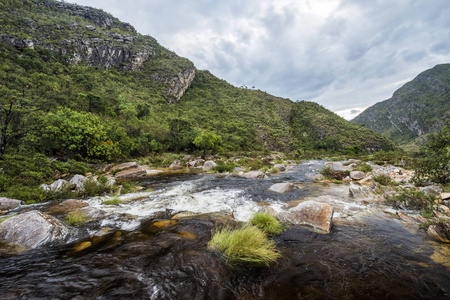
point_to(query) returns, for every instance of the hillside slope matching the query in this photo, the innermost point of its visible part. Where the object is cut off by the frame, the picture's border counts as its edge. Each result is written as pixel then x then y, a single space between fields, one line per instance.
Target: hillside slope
pixel 72 64
pixel 417 108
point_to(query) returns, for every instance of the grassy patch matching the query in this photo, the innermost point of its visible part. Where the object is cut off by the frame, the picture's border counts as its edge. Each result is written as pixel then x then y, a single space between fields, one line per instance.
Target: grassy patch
pixel 76 218
pixel 267 223
pixel 244 246
pixel 363 167
pixel 383 180
pixel 5 218
pixel 224 167
pixel 112 201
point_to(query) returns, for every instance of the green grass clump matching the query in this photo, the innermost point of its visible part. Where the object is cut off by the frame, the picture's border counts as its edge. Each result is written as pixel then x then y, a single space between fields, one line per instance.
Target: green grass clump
pixel 412 199
pixel 244 246
pixel 266 223
pixel 363 168
pixel 76 218
pixel 225 167
pixel 112 201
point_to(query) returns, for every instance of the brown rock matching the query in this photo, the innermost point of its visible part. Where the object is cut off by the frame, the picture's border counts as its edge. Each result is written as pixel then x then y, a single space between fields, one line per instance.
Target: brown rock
pixel 125 166
pixel 67 206
pixel 254 175
pixel 316 214
pixel 131 173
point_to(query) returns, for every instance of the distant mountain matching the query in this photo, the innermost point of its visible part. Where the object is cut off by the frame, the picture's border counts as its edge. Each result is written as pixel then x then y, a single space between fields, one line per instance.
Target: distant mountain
pixel 69 60
pixel 419 107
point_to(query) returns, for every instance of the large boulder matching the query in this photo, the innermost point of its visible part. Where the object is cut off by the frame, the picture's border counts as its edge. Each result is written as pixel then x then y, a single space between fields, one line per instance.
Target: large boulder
pixel 254 175
pixel 209 165
pixel 78 180
pixel 8 204
pixel 33 229
pixel 312 213
pixel 283 187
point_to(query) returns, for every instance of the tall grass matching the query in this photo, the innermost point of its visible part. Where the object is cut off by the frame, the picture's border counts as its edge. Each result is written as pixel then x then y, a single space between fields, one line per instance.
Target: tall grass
pixel 244 246
pixel 267 223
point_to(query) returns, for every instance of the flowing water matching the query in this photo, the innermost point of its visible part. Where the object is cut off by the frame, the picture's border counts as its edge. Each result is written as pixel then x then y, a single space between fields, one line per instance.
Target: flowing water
pixel 370 253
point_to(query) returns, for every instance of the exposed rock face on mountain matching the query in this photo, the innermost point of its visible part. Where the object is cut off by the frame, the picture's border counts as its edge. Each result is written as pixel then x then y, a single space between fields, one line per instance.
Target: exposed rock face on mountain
pixel 419 107
pixel 96 38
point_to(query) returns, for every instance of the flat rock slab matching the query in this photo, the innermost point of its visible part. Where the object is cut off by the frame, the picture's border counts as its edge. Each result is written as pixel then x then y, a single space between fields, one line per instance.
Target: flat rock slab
pixel 357 175
pixel 131 173
pixel 125 166
pixel 8 204
pixel 313 213
pixel 284 187
pixel 33 229
pixel 67 205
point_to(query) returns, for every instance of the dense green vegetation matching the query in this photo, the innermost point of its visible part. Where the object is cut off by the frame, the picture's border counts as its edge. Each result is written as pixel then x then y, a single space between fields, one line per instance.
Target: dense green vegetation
pixel 419 107
pixel 60 98
pixel 267 223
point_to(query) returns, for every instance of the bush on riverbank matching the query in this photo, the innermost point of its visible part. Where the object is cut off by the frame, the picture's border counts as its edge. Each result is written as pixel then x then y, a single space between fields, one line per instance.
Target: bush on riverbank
pixel 331 174
pixel 244 246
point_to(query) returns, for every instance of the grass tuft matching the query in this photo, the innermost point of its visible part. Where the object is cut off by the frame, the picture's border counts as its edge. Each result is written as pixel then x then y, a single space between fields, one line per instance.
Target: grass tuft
pixel 244 246
pixel 76 217
pixel 267 223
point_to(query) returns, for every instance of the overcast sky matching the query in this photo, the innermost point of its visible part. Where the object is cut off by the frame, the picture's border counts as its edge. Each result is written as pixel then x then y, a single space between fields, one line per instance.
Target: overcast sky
pixel 343 54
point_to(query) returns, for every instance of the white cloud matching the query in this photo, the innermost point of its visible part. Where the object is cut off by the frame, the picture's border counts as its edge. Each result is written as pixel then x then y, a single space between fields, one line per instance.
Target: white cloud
pixel 342 54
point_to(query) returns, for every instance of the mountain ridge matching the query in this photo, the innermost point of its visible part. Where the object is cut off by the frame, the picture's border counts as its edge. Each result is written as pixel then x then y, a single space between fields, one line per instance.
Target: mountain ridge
pixel 86 60
pixel 419 107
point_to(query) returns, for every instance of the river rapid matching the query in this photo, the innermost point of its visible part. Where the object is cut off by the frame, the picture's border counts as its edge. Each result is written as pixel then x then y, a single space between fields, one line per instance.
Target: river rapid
pixel 369 254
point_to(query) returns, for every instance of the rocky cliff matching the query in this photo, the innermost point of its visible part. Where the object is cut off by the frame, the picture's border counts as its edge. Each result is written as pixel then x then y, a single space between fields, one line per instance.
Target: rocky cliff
pixel 417 108
pixel 92 37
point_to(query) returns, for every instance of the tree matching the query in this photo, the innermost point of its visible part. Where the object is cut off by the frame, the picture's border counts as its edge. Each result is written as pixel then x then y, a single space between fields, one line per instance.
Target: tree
pixel 12 108
pixel 434 163
pixel 208 142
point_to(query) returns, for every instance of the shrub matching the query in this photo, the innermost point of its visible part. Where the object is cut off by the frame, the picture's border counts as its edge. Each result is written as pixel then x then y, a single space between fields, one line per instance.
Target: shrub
pixel 382 179
pixel 76 218
pixel 244 246
pixel 267 223
pixel 224 167
pixel 412 199
pixel 331 174
pixel 363 168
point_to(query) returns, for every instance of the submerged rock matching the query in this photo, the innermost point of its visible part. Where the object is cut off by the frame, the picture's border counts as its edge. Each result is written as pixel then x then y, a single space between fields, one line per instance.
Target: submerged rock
pixel 316 214
pixel 283 187
pixel 33 229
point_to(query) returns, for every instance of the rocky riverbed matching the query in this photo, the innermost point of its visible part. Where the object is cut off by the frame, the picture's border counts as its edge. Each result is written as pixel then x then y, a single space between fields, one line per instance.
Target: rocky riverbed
pixel 343 241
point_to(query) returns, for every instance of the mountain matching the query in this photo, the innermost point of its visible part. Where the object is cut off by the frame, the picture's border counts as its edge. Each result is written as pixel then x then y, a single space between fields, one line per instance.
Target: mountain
pixel 419 107
pixel 94 87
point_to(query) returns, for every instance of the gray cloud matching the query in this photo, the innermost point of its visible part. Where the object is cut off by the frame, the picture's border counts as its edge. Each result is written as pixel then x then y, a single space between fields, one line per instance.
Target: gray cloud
pixel 342 54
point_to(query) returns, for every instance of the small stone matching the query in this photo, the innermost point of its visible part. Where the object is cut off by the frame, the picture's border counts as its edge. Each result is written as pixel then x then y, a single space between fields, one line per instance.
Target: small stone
pixel 209 165
pixel 357 175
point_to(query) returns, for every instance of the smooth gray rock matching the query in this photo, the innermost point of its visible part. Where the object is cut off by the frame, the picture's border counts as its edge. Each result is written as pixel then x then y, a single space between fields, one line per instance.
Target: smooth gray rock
pixel 8 204
pixel 357 175
pixel 78 180
pixel 33 229
pixel 56 186
pixel 209 165
pixel 280 167
pixel 254 175
pixel 284 187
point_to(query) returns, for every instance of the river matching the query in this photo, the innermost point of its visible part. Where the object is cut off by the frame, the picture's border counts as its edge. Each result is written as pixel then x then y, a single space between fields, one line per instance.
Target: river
pixel 369 254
